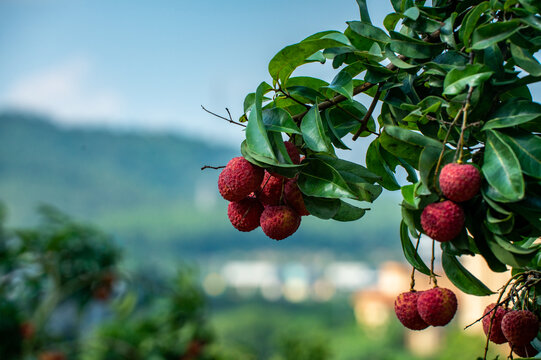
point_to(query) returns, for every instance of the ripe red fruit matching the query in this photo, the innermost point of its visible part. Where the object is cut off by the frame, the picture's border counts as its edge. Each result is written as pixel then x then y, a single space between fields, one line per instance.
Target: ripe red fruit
pixel 524 350
pixel 245 214
pixel 272 188
pixel 279 222
pixel 459 182
pixel 405 308
pixel 520 327
pixel 294 198
pixel 437 306
pixel 239 179
pixel 496 334
pixel 442 221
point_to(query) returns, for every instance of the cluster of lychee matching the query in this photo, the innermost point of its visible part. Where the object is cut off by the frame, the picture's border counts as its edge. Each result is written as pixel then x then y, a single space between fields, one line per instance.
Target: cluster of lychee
pixel 261 198
pixel 443 221
pixel 418 310
pixel 517 327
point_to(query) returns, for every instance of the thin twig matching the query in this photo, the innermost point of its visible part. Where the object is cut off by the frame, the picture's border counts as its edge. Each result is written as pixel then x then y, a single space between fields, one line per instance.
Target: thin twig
pixel 364 121
pixel 212 167
pixel 440 158
pixel 432 275
pixel 466 107
pixel 224 118
pixel 292 98
pixel 412 284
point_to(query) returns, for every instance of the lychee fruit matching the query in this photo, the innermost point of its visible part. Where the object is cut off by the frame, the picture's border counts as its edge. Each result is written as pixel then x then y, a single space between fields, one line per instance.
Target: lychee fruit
pixel 405 307
pixel 245 214
pixel 293 152
pixel 437 306
pixel 272 189
pixel 442 221
pixel 459 182
pixel 524 350
pixel 294 198
pixel 496 334
pixel 239 179
pixel 279 222
pixel 520 327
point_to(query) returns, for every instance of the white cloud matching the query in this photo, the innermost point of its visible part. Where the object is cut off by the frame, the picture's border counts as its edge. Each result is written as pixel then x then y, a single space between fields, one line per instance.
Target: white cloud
pixel 65 92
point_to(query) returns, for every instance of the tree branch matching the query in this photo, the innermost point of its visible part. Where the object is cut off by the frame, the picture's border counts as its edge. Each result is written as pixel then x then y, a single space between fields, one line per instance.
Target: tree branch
pixel 224 118
pixel 364 121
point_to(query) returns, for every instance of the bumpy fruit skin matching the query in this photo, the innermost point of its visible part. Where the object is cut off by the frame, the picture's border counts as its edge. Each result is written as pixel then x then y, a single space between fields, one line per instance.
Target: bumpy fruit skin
pixel 244 215
pixel 459 182
pixel 279 222
pixel 293 152
pixel 442 221
pixel 524 350
pixel 496 334
pixel 272 188
pixel 520 327
pixel 294 198
pixel 437 306
pixel 405 308
pixel 239 179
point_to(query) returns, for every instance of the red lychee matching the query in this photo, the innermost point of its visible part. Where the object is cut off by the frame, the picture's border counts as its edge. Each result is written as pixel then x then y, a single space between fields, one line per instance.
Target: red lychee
pixel 239 179
pixel 437 306
pixel 245 214
pixel 405 307
pixel 293 152
pixel 496 334
pixel 442 221
pixel 524 350
pixel 460 182
pixel 294 198
pixel 279 222
pixel 520 327
pixel 272 189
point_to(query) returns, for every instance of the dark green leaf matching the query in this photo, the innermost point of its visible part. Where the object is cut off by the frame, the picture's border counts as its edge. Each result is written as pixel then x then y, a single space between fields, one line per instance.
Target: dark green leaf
pixel 489 34
pixel 313 132
pixel 279 120
pixel 412 13
pixel 320 179
pixel 363 10
pixel 350 171
pixel 457 79
pixel 447 33
pixel 342 84
pixel 413 48
pixel 396 61
pixel 527 148
pixel 501 168
pixel 470 21
pixel 376 164
pixel 348 212
pixel 409 251
pixel 322 208
pixel 461 277
pixel 368 31
pixel 525 60
pixel 512 113
pixel 256 134
pixel 412 137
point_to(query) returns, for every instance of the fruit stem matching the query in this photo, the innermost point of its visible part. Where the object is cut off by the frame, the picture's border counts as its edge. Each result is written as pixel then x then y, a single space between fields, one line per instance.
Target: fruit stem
pixel 438 164
pixel 465 109
pixel 432 275
pixel 412 284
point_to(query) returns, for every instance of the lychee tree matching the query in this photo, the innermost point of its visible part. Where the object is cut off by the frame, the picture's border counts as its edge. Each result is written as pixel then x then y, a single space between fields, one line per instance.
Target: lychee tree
pixel 452 79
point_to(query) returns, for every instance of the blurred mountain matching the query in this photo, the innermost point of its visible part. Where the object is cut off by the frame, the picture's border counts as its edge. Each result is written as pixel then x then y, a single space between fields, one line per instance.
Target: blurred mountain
pixel 148 190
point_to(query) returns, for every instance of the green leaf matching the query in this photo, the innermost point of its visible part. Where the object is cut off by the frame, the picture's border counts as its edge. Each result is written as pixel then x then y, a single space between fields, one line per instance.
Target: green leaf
pixel 409 251
pixel 396 61
pixel 527 148
pixel 515 249
pixel 350 171
pixel 322 208
pixel 461 277
pixel 501 168
pixel 506 256
pixel 363 9
pixel 412 13
pixel 348 212
pixel 470 21
pixel 391 20
pixel 489 34
pixel 413 48
pixel 427 161
pixel 376 164
pixel 447 33
pixel 319 179
pixel 512 113
pixel 279 120
pixel 257 139
pixel 313 132
pixel 289 58
pixel 412 137
pixel 368 31
pixel 457 79
pixel 342 84
pixel 525 60
pixel 400 149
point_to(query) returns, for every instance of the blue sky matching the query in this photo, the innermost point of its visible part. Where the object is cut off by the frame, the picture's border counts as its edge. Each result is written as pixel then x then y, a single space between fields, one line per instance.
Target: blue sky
pixel 151 64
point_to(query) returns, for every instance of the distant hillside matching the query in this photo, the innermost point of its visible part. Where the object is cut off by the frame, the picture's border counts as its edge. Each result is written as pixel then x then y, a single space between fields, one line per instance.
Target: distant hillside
pixel 149 191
